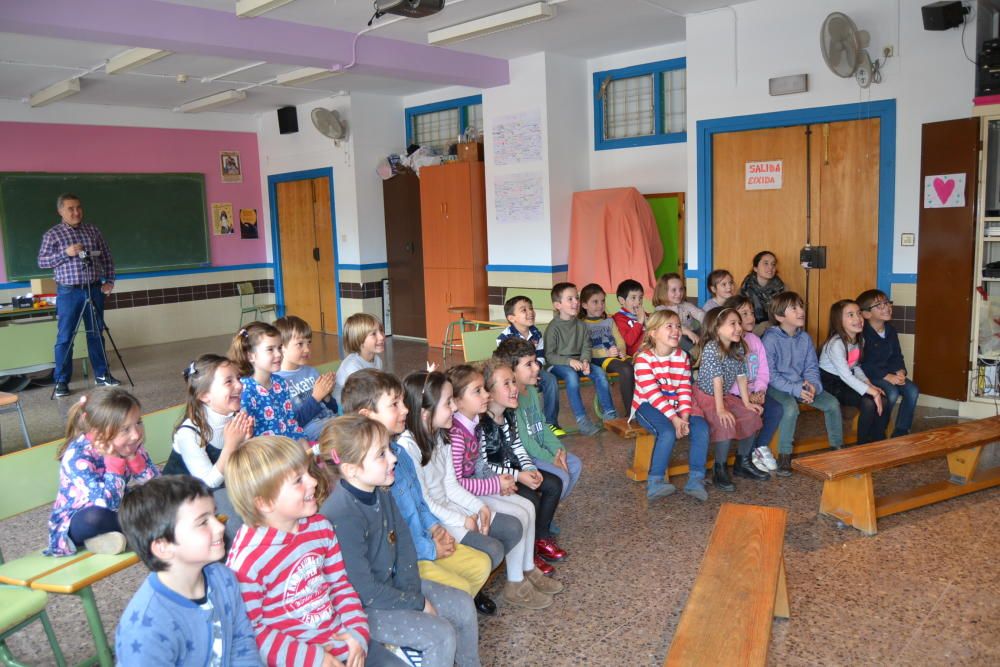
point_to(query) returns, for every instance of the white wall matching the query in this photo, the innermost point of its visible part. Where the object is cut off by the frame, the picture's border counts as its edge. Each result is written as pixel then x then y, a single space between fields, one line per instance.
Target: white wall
pixel 731 54
pixel 96 114
pixel 650 169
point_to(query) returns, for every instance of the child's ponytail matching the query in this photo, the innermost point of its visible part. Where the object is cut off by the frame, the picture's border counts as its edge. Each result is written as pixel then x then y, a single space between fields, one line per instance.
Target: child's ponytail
pixel 244 342
pixel 102 410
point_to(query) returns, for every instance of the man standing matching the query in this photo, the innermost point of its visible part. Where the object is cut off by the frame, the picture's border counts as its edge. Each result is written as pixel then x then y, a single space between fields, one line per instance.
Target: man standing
pixel 83 264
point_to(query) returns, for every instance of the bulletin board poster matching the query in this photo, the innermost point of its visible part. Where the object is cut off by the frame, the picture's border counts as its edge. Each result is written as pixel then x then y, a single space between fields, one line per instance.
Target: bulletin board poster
pixel 763 175
pixel 222 219
pixel 248 223
pixel 944 191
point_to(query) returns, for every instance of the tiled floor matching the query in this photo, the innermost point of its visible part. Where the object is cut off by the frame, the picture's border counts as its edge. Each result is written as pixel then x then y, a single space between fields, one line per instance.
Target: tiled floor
pixel 924 591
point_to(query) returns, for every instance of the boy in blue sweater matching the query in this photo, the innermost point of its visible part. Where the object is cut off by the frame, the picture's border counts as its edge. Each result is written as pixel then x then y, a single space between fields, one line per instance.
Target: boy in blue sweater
pixel 189 610
pixel 791 357
pixel 311 392
pixel 883 360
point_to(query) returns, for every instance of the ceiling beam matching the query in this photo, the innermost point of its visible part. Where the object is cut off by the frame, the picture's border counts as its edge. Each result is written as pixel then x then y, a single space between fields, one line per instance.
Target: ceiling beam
pixel 208 32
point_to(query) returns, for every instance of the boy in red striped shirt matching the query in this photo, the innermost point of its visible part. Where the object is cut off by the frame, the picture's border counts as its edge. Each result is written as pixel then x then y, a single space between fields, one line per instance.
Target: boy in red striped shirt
pixel 288 563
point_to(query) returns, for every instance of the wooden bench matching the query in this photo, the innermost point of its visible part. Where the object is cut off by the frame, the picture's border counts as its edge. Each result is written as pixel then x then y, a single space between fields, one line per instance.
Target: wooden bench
pixel 740 588
pixel 644 442
pixel 848 492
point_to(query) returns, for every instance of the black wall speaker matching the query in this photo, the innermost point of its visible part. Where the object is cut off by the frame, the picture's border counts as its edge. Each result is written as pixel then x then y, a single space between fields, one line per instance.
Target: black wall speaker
pixel 943 15
pixel 288 120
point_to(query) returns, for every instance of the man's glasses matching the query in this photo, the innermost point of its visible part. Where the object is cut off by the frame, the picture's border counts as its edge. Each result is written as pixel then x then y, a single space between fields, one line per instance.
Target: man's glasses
pixel 879 304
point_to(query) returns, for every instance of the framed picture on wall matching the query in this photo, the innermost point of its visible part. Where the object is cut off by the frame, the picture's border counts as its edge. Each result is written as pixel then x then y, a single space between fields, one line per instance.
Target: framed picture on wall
pixel 222 219
pixel 229 164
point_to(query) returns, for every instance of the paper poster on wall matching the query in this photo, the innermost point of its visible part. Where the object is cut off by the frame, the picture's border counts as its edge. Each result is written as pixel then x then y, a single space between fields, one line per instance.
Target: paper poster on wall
pixel 229 166
pixel 248 223
pixel 763 175
pixel 517 138
pixel 222 219
pixel 519 197
pixel 944 191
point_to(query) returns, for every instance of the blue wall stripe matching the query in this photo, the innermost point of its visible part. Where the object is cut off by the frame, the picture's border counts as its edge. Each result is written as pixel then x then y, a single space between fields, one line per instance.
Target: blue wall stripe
pixel 363 267
pixel 884 110
pixel 527 268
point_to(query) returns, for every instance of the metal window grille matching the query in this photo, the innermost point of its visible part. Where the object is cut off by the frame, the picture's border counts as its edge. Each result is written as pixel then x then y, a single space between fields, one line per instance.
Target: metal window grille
pixel 439 129
pixel 628 108
pixel 674 101
pixel 474 117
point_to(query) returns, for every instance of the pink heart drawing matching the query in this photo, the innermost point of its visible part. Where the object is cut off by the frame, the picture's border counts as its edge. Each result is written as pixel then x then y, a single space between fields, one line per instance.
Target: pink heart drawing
pixel 944 187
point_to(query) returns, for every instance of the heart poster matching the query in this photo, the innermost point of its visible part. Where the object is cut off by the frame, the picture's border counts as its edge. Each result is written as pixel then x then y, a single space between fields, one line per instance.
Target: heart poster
pixel 944 191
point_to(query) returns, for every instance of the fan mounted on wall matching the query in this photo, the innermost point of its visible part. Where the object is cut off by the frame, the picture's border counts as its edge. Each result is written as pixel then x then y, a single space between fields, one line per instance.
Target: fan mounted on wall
pixel 329 123
pixel 843 46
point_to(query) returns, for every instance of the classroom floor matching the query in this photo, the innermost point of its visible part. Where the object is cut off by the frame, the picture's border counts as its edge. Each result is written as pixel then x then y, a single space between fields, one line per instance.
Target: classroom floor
pixel 924 591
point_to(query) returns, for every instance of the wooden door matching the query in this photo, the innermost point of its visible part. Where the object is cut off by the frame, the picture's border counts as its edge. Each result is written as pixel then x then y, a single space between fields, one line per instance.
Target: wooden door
pixel 458 215
pixel 668 209
pixel 946 271
pixel 405 254
pixel 434 231
pixel 840 211
pixel 305 231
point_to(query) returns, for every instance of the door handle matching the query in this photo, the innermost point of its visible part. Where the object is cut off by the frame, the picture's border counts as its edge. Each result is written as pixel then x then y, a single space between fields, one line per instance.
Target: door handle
pixel 409 247
pixel 316 254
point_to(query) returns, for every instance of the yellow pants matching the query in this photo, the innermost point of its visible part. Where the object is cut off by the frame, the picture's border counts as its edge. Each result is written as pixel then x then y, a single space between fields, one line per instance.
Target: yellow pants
pixel 467 569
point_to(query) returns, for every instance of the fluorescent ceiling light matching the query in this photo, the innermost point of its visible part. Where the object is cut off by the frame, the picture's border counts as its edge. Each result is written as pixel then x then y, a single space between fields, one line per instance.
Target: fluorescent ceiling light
pixel 246 9
pixel 513 18
pixel 304 75
pixel 213 101
pixel 55 92
pixel 131 59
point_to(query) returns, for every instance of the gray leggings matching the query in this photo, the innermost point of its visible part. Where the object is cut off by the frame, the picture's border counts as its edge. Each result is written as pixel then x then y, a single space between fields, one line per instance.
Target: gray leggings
pixel 505 533
pixel 450 638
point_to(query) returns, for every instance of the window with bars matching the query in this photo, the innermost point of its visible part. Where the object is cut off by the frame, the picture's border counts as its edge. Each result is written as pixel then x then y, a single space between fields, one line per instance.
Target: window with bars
pixel 440 124
pixel 640 106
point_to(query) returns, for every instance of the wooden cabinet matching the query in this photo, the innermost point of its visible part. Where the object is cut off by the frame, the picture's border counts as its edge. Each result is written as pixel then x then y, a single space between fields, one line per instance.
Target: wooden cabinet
pixel 453 215
pixel 404 254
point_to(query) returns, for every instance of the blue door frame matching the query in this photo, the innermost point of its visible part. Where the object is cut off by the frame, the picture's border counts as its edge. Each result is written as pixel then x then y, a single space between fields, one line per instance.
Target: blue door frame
pixel 272 196
pixel 884 110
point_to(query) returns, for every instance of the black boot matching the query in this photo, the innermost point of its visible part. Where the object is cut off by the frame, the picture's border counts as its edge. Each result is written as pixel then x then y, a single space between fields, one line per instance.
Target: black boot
pixel 721 475
pixel 784 465
pixel 744 467
pixel 484 605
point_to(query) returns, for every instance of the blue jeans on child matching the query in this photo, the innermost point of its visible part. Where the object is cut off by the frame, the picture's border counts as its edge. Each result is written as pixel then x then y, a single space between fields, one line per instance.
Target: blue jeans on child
pixel 909 392
pixel 657 423
pixel 569 479
pixel 771 420
pixel 790 417
pixel 549 386
pixel 572 380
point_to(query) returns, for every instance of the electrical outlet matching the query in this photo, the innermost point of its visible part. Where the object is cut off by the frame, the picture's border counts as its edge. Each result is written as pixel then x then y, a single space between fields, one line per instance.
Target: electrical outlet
pixel 907 240
pixel 888 51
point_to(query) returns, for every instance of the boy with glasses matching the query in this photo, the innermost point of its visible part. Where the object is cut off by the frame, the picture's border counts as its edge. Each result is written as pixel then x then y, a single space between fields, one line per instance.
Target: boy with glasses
pixel 883 359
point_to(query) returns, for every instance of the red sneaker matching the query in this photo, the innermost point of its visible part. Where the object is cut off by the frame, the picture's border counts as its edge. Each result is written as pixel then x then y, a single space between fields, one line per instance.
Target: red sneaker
pixel 549 550
pixel 544 567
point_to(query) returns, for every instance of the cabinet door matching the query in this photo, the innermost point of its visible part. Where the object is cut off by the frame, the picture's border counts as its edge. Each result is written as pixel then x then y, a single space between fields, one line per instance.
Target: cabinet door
pixel 467 287
pixel 458 215
pixel 436 300
pixel 433 192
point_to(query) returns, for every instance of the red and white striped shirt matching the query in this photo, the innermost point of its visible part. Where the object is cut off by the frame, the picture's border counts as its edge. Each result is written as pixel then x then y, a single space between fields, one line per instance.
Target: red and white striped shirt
pixel 663 382
pixel 296 592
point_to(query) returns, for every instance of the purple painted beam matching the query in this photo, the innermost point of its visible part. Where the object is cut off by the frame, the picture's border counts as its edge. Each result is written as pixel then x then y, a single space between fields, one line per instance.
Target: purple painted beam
pixel 208 32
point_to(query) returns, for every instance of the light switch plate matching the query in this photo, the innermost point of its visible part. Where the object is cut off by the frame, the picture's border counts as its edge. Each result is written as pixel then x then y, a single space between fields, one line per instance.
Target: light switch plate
pixel 907 240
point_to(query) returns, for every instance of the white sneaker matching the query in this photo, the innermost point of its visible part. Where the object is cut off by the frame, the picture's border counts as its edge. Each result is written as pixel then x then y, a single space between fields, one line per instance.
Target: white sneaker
pixel 763 459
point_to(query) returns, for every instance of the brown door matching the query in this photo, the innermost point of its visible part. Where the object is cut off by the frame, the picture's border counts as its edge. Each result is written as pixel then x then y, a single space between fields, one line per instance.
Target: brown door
pixel 840 213
pixel 405 254
pixel 305 231
pixel 945 263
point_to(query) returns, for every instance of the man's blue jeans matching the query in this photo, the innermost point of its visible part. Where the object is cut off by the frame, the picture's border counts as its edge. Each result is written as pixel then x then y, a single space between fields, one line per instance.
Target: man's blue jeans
pixel 909 393
pixel 657 423
pixel 69 304
pixel 572 380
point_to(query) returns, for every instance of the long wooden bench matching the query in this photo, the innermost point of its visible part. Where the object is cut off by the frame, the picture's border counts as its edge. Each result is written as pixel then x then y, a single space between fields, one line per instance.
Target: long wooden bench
pixel 848 491
pixel 644 442
pixel 740 588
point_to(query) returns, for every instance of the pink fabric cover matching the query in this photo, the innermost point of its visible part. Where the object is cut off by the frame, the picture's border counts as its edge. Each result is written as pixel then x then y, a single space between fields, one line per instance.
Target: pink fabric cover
pixel 613 236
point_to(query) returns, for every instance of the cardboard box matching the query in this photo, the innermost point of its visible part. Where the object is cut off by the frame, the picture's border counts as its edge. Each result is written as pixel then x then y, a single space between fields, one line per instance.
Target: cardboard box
pixel 470 152
pixel 43 286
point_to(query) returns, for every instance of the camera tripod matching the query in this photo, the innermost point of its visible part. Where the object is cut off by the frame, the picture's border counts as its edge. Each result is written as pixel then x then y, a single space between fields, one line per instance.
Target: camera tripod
pixel 100 327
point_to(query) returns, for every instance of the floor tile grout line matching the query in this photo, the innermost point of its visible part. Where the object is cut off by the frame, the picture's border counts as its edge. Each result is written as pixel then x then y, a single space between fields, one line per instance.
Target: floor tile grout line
pixel 923 622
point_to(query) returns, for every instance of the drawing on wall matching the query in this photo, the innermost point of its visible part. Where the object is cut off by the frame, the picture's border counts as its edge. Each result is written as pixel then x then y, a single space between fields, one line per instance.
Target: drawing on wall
pixel 517 138
pixel 519 197
pixel 229 163
pixel 944 191
pixel 248 223
pixel 222 219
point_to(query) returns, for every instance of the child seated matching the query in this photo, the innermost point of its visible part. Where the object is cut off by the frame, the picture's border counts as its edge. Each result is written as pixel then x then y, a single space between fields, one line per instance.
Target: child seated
pixel 188 611
pixel 256 351
pixel 520 312
pixel 607 347
pixel 311 392
pixel 883 361
pixel 632 316
pixel 101 455
pixel 404 610
pixel 364 340
pixel 379 396
pixel 721 285
pixel 791 358
pixel 567 344
pixel 213 426
pixel 287 560
pixel 670 294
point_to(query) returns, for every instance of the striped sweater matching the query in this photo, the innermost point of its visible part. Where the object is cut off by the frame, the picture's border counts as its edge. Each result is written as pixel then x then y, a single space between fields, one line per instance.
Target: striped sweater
pixel 663 382
pixel 471 468
pixel 502 445
pixel 296 592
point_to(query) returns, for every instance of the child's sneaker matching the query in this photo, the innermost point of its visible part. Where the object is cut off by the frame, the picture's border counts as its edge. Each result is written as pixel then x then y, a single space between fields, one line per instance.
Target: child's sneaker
pixel 658 488
pixel 524 594
pixel 108 544
pixel 556 431
pixel 587 427
pixel 610 414
pixel 542 583
pixel 696 489
pixel 784 465
pixel 763 459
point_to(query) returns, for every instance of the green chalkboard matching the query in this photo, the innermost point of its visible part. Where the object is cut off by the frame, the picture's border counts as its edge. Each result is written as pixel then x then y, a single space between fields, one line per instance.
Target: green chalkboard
pixel 152 222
